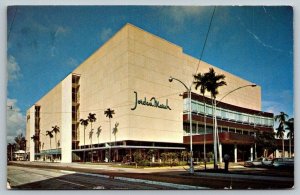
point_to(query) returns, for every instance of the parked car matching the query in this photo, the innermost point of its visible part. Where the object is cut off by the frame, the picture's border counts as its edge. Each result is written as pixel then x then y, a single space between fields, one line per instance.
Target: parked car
pixel 283 163
pixel 259 162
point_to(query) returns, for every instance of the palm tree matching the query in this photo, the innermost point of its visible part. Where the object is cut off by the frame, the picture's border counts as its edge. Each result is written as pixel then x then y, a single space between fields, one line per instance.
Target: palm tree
pixel 109 113
pixel 281 118
pixel 91 118
pixel 91 142
pixel 49 133
pixel 98 133
pixel 35 139
pixel 213 83
pixel 91 137
pixel 85 123
pixel 115 131
pixel 55 129
pixel 290 135
pixel 201 81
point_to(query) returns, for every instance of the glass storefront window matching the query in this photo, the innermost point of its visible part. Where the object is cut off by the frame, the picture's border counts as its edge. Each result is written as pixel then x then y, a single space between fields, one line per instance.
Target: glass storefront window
pixel 198 108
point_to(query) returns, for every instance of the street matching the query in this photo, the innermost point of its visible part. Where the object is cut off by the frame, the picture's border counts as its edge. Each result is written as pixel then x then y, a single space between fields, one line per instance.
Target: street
pixel 40 175
pixel 42 179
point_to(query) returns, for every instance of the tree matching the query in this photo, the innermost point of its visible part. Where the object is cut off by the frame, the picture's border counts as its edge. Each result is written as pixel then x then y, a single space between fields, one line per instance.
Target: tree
pixel 266 142
pixel 50 134
pixel 98 134
pixel 91 142
pixel 55 130
pixel 184 155
pixel 151 154
pixel 10 150
pixel 85 123
pixel 201 80
pixel 290 135
pixel 20 142
pixel 109 113
pixel 92 118
pixel 213 83
pixel 115 131
pixel 281 118
pixel 35 139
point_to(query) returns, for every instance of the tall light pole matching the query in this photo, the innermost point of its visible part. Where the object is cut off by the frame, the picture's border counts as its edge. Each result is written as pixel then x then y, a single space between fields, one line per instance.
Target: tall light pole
pixel 190 120
pixel 215 117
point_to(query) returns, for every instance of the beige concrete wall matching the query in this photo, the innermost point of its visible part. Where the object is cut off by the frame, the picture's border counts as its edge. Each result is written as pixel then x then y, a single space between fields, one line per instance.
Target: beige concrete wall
pixel 30 132
pixel 50 114
pixel 151 62
pixel 104 84
pixel 248 97
pixel 66 120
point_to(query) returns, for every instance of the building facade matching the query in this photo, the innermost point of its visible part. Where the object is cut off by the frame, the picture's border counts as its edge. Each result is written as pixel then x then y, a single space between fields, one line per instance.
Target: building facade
pixel 129 74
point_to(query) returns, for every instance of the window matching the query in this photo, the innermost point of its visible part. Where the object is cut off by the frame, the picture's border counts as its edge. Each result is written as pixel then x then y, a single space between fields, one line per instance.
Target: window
pixel 198 107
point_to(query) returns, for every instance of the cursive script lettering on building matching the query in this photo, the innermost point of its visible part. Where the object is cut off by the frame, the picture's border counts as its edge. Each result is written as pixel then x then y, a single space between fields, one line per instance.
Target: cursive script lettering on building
pixel 153 102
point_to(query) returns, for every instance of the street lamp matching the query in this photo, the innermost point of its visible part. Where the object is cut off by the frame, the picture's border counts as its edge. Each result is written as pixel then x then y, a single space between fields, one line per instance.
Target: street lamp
pixel 190 120
pixel 215 118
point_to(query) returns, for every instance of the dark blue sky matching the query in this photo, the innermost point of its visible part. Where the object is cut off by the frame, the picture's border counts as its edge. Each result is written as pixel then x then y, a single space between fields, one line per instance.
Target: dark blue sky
pixel 255 43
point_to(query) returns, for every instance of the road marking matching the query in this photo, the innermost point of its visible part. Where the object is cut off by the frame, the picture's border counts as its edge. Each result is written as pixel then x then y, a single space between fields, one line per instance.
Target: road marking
pixel 71 172
pixel 71 182
pixel 173 185
pixel 177 186
pixel 99 188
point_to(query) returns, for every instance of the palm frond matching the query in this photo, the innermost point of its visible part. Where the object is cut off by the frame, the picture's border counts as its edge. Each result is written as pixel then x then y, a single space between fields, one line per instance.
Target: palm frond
pixel 91 117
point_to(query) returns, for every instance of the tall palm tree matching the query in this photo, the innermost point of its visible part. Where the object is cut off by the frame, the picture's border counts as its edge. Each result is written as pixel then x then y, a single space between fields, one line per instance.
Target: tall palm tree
pixel 91 142
pixel 115 131
pixel 281 118
pixel 35 139
pixel 290 135
pixel 55 130
pixel 50 134
pixel 213 83
pixel 109 113
pixel 200 80
pixel 98 133
pixel 91 118
pixel 91 137
pixel 85 123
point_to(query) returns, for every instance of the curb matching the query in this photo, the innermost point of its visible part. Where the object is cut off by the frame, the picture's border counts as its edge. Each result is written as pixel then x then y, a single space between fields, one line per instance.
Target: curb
pixel 240 176
pixel 166 184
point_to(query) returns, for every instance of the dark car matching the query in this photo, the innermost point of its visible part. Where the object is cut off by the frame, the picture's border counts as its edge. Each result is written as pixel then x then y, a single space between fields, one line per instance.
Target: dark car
pixel 283 163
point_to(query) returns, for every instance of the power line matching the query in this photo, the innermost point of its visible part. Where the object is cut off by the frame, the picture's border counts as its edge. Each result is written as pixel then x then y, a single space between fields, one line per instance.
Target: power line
pixel 11 25
pixel 206 39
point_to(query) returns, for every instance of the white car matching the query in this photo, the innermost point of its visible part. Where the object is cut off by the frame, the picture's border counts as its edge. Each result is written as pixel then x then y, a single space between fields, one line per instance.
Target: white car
pixel 258 162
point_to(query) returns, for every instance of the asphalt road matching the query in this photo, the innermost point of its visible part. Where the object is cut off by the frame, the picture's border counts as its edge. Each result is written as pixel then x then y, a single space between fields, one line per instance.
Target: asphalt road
pixel 47 179
pixel 37 175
